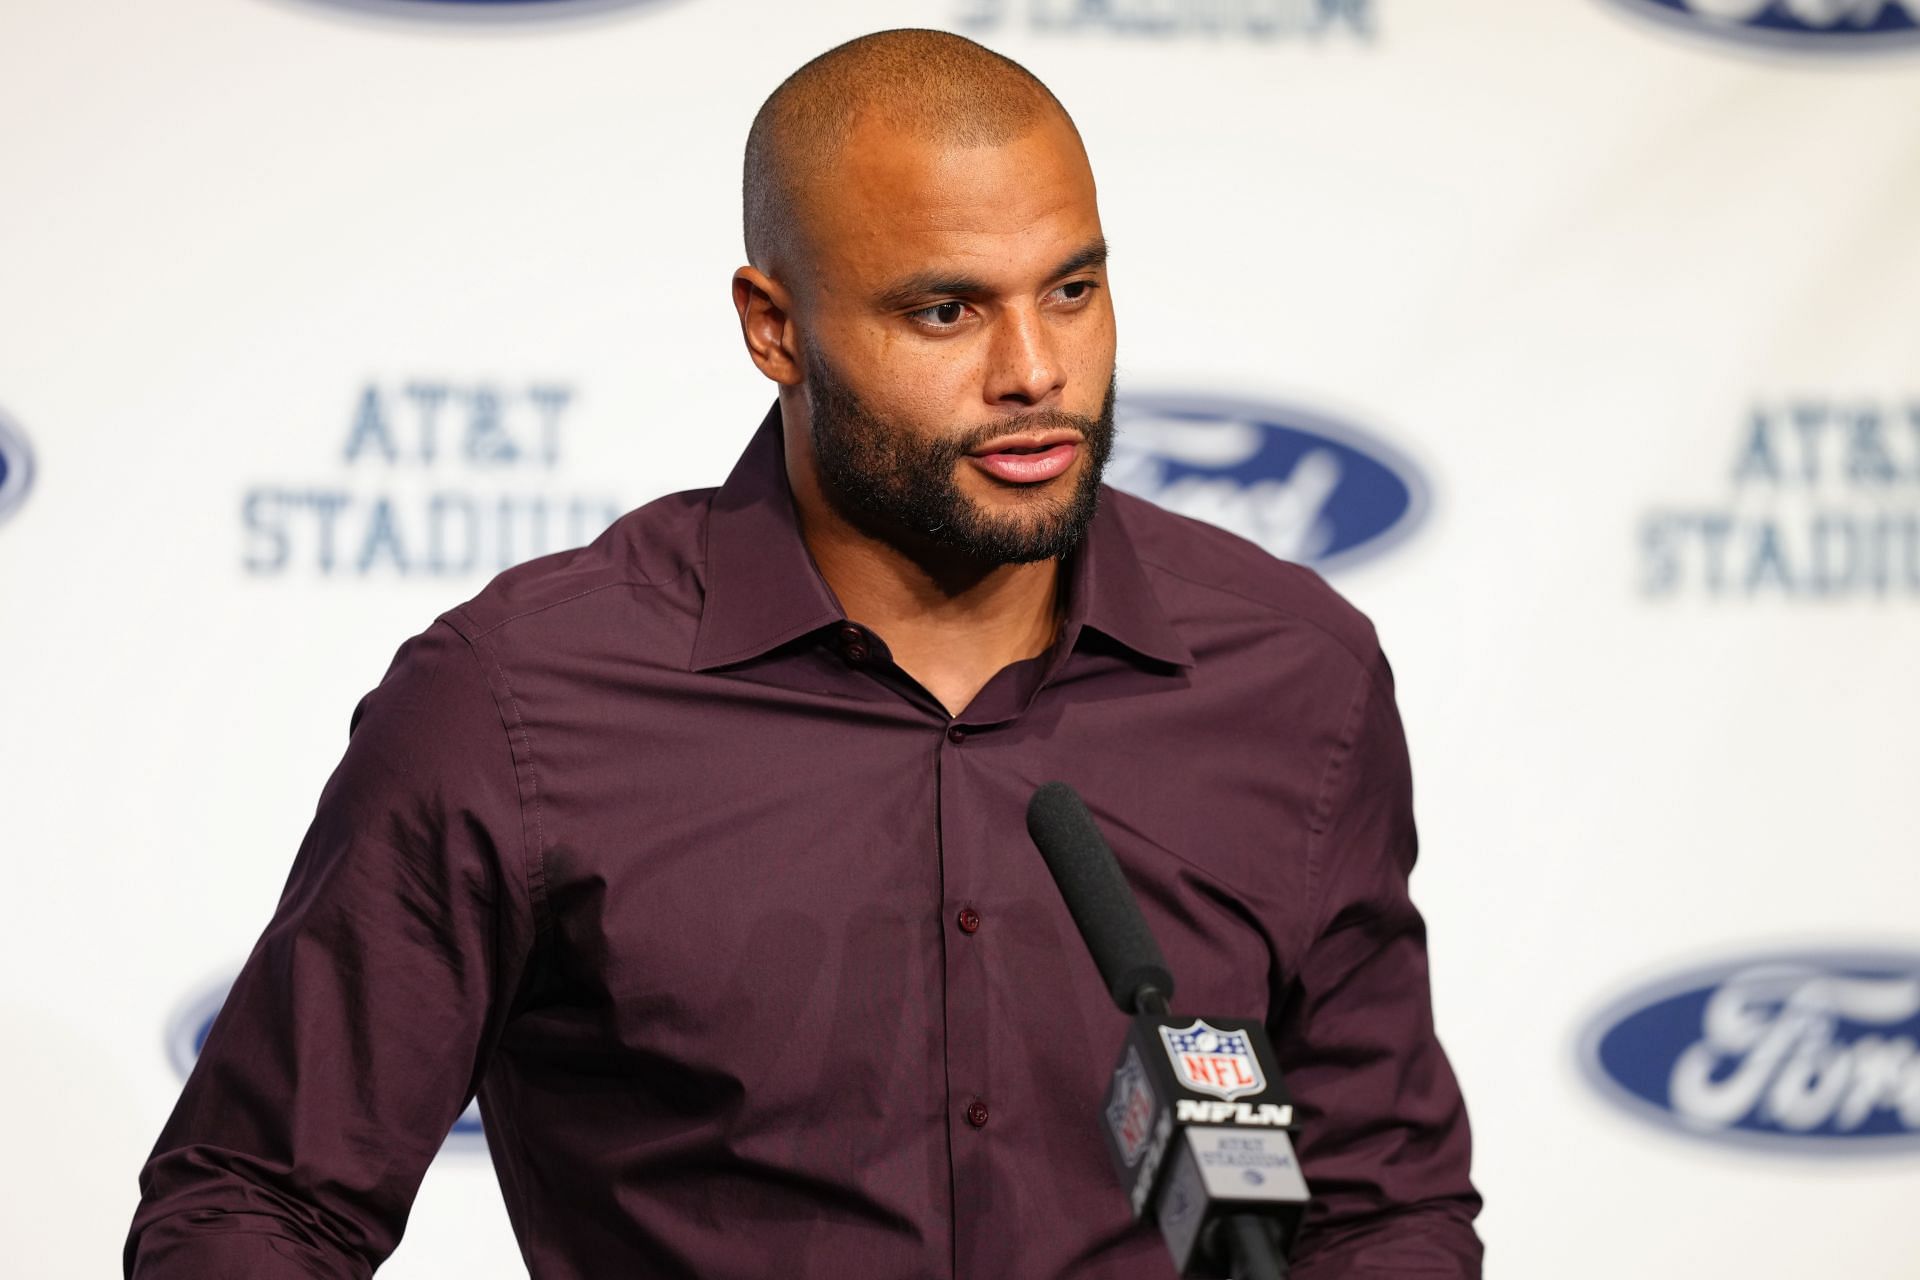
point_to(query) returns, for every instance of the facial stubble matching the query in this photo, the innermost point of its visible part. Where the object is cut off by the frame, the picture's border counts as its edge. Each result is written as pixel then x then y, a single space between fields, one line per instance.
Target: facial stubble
pixel 894 484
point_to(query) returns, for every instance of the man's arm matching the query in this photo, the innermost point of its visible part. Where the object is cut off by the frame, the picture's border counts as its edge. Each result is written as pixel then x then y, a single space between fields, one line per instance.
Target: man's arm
pixel 358 1029
pixel 1384 1141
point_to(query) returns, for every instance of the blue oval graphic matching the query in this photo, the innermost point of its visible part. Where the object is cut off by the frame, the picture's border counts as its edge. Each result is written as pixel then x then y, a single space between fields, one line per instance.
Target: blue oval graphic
pixel 483 10
pixel 187 1032
pixel 1801 1051
pixel 1829 26
pixel 16 467
pixel 1301 485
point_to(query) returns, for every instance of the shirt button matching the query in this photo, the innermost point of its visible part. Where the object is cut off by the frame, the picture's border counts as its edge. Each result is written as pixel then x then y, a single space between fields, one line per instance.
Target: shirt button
pixel 856 652
pixel 956 735
pixel 977 1114
pixel 969 920
pixel 850 634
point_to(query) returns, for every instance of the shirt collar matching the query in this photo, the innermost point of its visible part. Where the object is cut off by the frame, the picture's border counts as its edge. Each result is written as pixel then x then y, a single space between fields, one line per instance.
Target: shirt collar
pixel 763 589
pixel 1108 591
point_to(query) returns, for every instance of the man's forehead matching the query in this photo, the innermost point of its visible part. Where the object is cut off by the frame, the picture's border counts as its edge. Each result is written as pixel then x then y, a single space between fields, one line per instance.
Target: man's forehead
pixel 892 201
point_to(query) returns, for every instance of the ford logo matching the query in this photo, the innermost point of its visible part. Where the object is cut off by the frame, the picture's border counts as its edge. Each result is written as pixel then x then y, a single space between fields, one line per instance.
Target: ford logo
pixel 1299 484
pixel 482 10
pixel 16 467
pixel 1800 1051
pixel 1831 25
pixel 187 1032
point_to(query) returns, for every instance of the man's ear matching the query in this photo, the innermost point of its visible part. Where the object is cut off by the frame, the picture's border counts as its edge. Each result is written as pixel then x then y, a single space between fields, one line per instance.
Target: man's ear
pixel 766 323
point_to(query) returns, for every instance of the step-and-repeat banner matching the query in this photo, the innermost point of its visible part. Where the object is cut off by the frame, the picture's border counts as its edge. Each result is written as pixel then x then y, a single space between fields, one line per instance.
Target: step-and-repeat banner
pixel 1575 340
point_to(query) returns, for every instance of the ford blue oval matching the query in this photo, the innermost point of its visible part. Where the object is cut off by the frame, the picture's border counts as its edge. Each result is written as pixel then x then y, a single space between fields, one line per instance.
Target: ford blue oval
pixel 1804 1051
pixel 16 467
pixel 1830 26
pixel 483 10
pixel 187 1033
pixel 1300 484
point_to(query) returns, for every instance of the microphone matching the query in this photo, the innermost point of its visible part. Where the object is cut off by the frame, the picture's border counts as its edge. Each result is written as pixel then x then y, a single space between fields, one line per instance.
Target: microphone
pixel 1198 1121
pixel 1099 900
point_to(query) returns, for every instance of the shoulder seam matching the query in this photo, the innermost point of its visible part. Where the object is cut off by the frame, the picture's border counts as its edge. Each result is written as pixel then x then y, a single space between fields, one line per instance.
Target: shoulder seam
pixel 1361 659
pixel 478 632
pixel 507 707
pixel 1321 817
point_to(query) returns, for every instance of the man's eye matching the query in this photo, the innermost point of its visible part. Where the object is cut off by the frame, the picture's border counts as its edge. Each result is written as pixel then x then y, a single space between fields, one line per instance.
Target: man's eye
pixel 943 315
pixel 1075 290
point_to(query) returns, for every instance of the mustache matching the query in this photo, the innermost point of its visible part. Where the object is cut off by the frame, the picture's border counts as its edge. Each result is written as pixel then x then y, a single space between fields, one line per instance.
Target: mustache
pixel 1034 421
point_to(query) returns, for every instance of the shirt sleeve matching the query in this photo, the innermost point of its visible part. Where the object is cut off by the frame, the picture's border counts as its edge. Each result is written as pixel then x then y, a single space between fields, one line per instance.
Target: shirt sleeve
pixel 359 1027
pixel 1384 1141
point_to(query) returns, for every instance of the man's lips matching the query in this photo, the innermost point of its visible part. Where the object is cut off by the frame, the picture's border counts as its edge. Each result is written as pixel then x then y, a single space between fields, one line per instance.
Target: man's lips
pixel 1027 459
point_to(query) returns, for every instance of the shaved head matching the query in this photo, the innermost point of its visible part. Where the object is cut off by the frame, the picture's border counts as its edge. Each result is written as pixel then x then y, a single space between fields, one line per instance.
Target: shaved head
pixel 928 287
pixel 930 85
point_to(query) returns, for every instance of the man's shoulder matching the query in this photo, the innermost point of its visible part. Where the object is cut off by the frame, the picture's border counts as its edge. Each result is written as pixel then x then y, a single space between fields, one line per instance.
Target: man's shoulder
pixel 1199 567
pixel 640 559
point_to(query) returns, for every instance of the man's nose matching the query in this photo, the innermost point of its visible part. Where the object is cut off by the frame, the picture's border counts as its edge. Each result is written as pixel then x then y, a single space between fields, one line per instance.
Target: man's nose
pixel 1025 362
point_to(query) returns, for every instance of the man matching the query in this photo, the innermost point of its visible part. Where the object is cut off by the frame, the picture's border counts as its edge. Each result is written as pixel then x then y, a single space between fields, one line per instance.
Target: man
pixel 698 852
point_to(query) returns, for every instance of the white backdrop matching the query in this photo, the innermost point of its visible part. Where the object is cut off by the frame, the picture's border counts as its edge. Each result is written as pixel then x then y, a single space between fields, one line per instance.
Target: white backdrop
pixel 270 268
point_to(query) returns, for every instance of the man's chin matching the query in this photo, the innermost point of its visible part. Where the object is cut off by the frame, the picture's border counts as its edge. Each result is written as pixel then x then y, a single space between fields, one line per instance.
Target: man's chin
pixel 1010 536
pixel 1035 508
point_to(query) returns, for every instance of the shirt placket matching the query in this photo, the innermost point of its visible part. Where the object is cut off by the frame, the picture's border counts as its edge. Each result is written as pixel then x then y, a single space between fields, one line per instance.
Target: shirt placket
pixel 959 747
pixel 977 1115
pixel 966 934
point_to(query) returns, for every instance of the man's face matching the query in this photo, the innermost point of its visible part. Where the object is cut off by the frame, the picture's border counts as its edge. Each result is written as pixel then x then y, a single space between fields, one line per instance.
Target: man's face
pixel 959 343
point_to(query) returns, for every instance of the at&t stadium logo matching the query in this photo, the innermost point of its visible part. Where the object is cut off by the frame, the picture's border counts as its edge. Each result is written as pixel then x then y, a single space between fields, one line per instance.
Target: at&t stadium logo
pixel 1825 25
pixel 1817 1051
pixel 1172 19
pixel 1303 486
pixel 16 468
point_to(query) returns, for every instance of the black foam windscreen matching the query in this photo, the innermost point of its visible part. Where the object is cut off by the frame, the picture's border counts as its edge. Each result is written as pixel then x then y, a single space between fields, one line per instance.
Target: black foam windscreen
pixel 1097 895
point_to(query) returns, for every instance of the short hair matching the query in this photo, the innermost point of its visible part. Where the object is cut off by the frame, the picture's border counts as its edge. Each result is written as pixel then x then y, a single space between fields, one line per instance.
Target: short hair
pixel 928 84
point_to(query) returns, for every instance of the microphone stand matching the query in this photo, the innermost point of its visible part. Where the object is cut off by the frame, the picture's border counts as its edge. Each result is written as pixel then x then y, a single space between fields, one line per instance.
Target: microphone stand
pixel 1254 1257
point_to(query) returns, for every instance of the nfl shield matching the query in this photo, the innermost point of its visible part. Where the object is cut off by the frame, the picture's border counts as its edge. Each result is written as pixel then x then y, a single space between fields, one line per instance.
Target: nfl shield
pixel 1130 1108
pixel 1211 1061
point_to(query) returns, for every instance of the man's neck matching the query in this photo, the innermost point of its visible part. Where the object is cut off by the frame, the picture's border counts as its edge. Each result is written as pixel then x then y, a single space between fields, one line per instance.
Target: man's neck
pixel 950 626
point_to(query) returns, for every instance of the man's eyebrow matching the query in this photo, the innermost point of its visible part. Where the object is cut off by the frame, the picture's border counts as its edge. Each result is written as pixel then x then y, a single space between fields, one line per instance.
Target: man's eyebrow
pixel 928 285
pixel 937 284
pixel 1092 254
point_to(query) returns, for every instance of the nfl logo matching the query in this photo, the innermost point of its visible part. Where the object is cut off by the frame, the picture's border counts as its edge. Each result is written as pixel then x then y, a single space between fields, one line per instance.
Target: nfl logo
pixel 1130 1108
pixel 1209 1060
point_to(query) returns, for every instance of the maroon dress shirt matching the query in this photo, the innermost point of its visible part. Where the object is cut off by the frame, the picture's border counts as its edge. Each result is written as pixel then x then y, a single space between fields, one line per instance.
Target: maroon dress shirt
pixel 741 941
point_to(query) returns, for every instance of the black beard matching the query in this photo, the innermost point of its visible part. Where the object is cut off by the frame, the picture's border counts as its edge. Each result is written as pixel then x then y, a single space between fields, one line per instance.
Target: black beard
pixel 892 485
